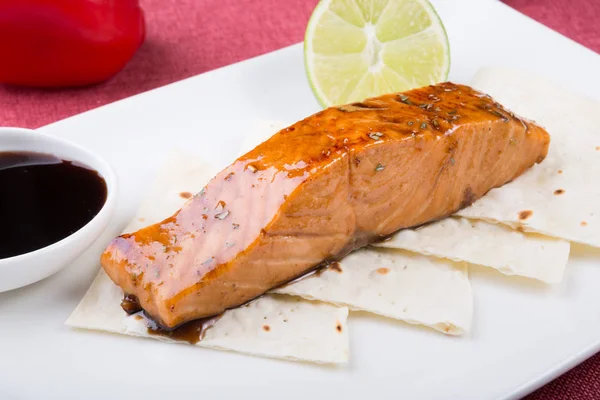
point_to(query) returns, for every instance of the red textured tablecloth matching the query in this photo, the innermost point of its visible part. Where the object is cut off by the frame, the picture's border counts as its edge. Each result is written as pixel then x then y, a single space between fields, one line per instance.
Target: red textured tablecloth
pixel 188 37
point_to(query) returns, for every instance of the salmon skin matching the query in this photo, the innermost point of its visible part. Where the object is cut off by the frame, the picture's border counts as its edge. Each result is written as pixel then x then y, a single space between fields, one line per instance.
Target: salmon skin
pixel 329 184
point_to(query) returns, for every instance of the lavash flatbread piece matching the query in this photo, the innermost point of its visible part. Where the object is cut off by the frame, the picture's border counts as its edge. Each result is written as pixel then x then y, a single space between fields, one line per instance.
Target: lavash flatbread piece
pixel 397 284
pixel 492 245
pixel 561 196
pixel 272 326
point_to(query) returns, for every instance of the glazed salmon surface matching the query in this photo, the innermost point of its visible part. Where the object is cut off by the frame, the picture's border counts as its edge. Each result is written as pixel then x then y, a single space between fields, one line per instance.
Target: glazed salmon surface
pixel 315 191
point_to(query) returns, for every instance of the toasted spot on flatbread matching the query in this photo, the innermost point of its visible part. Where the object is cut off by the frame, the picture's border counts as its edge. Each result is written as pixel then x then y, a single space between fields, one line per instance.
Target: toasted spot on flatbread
pixel 523 215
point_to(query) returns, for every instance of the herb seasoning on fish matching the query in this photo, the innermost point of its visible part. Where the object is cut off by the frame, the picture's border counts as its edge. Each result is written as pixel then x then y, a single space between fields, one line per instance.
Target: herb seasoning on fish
pixel 404 99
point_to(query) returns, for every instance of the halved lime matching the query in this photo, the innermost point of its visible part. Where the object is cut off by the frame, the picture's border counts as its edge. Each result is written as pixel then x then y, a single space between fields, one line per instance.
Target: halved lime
pixel 354 49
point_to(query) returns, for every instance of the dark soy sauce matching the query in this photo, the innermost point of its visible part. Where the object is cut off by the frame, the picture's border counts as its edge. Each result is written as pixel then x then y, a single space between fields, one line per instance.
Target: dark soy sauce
pixel 191 332
pixel 44 199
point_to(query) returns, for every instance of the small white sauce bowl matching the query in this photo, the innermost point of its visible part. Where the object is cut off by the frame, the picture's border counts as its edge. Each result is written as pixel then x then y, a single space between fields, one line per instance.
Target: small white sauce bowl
pixel 24 269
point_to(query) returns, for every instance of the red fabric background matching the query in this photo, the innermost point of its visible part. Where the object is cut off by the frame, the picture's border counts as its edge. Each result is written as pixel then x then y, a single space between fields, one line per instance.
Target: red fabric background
pixel 188 37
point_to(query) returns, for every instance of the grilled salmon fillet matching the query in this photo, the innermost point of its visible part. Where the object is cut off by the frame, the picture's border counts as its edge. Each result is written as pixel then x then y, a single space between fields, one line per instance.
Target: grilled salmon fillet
pixel 331 183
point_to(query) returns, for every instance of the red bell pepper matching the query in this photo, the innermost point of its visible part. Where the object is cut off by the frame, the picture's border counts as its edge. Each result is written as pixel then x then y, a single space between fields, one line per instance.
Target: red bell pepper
pixel 57 43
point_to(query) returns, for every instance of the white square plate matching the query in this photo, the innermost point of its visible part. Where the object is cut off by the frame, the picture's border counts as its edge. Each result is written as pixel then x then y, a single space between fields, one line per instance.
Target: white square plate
pixel 523 334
